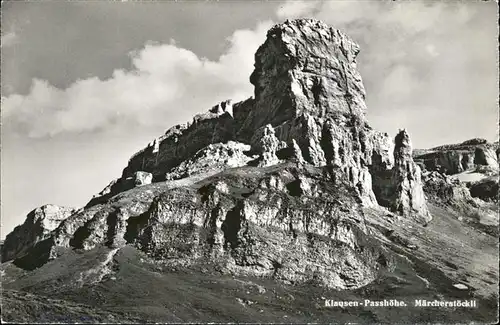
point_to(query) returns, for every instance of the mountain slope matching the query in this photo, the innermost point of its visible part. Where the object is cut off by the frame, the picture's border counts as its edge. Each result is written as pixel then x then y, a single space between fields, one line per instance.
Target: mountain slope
pixel 266 210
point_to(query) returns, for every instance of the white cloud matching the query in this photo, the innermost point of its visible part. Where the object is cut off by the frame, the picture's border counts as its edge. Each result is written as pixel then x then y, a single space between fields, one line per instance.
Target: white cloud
pixel 431 49
pixel 165 81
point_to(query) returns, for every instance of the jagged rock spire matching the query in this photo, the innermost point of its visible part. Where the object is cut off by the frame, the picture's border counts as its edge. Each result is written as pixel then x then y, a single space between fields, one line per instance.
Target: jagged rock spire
pixel 408 198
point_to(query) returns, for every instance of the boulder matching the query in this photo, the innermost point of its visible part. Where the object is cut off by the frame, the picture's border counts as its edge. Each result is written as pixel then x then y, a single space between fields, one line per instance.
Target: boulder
pixel 142 178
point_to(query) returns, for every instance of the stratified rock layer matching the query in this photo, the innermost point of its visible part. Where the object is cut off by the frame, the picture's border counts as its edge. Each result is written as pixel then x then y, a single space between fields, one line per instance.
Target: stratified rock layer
pixel 272 186
pixel 308 89
pixel 183 141
pixel 457 158
pixel 38 226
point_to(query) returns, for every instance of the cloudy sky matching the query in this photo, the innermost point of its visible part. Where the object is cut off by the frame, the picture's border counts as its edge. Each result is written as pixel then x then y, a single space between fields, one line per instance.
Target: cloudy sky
pixel 86 84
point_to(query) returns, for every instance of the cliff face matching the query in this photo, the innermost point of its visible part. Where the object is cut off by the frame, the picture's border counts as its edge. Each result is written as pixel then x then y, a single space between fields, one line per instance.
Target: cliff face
pixel 182 141
pixel 273 186
pixel 39 225
pixel 308 89
pixel 305 67
pixel 472 167
pixel 457 158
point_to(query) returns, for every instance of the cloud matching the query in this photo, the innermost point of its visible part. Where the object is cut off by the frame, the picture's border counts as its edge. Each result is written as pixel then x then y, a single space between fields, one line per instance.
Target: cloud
pixel 166 83
pixel 8 39
pixel 421 61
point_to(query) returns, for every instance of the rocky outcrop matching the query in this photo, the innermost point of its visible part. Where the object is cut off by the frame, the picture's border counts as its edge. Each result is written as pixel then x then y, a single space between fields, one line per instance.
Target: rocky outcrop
pixel 38 226
pixel 142 178
pixel 308 89
pixel 409 197
pixel 267 145
pixel 276 225
pixel 305 67
pixel 400 188
pixel 182 141
pixel 309 97
pixel 457 158
pixel 476 162
pixel 119 185
pixel 486 157
pixel 272 186
pixel 486 189
pixel 214 157
pixel 443 189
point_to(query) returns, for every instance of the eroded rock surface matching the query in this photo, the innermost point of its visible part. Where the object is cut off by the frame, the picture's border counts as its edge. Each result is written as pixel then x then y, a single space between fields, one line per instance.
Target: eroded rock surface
pixel 409 197
pixel 486 189
pixel 449 191
pixel 272 186
pixel 277 225
pixel 182 141
pixel 38 226
pixel 457 158
pixel 214 157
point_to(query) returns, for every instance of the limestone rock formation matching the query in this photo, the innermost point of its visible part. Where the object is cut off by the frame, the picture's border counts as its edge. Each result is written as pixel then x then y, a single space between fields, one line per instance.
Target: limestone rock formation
pixel 142 178
pixel 443 188
pixel 276 229
pixel 214 157
pixel 308 96
pixel 267 144
pixel 305 67
pixel 474 162
pixel 397 182
pixel 38 226
pixel 308 89
pixel 182 141
pixel 486 157
pixel 296 152
pixel 273 186
pixel 291 185
pixel 457 158
pixel 138 178
pixel 409 197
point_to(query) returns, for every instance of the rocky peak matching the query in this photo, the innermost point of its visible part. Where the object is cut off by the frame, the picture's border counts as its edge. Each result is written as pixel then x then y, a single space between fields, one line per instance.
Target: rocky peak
pixel 309 100
pixel 223 107
pixel 308 89
pixel 305 66
pixel 402 147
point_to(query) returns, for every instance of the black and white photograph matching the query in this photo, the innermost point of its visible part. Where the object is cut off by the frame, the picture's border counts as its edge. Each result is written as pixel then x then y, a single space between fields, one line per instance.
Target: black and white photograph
pixel 231 161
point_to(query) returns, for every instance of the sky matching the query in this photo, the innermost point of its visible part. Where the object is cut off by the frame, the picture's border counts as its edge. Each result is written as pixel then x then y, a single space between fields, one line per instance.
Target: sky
pixel 86 84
